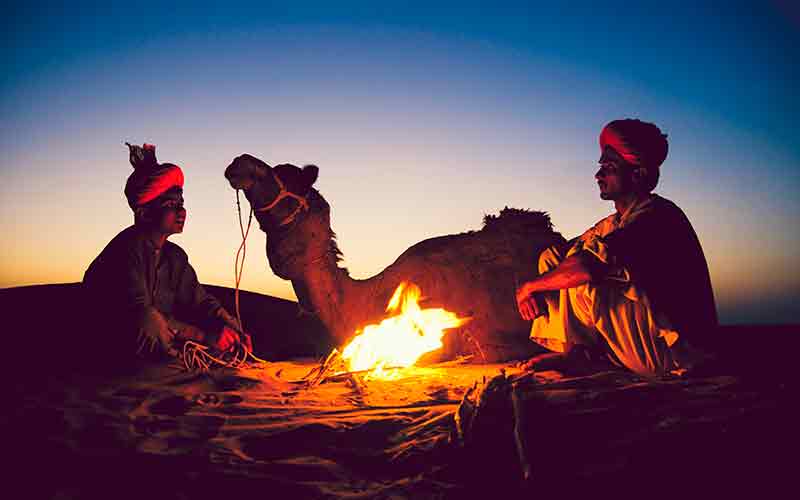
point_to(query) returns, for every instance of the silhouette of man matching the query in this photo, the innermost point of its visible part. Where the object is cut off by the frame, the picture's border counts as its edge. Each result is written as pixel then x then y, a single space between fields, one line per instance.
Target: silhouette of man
pixel 144 284
pixel 634 287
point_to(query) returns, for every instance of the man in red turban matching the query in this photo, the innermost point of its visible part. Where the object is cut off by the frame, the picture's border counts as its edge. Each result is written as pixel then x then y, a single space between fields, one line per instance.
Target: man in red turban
pixel 635 287
pixel 145 283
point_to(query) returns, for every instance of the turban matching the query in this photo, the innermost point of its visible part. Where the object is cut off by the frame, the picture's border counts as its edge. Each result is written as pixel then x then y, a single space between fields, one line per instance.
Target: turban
pixel 638 142
pixel 149 180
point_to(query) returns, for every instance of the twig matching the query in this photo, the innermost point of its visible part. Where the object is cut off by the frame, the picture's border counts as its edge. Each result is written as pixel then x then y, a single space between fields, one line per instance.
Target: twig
pixel 341 376
pixel 477 344
pixel 319 373
pixel 461 360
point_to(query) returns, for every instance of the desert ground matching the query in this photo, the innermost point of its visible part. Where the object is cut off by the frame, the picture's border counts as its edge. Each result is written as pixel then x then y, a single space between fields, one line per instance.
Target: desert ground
pixel 80 425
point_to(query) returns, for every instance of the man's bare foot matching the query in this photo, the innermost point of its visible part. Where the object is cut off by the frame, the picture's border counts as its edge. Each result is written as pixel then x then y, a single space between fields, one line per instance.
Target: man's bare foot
pixel 578 361
pixel 547 361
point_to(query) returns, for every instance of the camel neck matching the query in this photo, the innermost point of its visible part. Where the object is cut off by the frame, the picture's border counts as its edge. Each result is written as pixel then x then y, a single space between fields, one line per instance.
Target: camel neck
pixel 343 304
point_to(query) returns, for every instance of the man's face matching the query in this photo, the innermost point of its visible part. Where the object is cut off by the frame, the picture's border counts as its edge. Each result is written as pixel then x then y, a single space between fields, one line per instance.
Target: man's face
pixel 168 212
pixel 614 177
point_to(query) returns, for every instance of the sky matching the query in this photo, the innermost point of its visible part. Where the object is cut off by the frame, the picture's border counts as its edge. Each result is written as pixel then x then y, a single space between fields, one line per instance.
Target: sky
pixel 422 117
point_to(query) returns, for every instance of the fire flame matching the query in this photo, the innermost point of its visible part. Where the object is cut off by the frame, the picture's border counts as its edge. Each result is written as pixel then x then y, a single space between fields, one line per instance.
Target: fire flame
pixel 399 340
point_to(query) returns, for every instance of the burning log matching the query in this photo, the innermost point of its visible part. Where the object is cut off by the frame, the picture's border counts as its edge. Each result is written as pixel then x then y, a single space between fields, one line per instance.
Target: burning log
pixel 334 369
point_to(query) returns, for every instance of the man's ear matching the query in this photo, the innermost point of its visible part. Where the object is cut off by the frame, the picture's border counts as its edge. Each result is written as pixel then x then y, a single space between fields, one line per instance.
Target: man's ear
pixel 640 174
pixel 140 215
pixel 310 173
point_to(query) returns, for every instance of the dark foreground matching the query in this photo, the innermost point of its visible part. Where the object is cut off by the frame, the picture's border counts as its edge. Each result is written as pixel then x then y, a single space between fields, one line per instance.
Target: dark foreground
pixel 79 429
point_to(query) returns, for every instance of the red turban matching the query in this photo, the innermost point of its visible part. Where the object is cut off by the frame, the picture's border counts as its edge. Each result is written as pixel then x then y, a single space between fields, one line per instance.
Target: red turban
pixel 149 180
pixel 638 142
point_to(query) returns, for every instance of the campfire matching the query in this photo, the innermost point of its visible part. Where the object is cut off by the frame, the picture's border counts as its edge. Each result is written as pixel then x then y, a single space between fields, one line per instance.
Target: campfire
pixel 399 340
pixel 408 332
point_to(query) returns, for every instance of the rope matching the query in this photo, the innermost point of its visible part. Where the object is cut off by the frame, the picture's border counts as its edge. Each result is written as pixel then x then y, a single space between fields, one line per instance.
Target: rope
pixel 196 357
pixel 302 201
pixel 237 269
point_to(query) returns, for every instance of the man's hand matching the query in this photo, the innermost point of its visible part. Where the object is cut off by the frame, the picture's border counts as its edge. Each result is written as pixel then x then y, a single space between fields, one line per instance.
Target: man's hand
pixel 154 332
pixel 573 271
pixel 233 324
pixel 528 304
pixel 229 338
pixel 189 332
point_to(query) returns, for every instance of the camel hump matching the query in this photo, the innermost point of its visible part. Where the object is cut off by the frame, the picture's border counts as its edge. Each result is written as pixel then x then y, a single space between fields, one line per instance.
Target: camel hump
pixel 518 220
pixel 512 227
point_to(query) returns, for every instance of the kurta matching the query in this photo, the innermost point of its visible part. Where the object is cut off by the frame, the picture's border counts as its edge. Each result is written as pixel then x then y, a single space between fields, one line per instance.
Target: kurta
pixel 132 286
pixel 655 301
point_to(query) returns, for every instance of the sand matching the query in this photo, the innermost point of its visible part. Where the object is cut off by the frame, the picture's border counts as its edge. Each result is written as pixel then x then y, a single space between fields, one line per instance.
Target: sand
pixel 160 432
pixel 183 433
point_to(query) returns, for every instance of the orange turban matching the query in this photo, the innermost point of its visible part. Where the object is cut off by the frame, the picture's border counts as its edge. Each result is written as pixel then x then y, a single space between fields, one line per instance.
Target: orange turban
pixel 149 180
pixel 638 142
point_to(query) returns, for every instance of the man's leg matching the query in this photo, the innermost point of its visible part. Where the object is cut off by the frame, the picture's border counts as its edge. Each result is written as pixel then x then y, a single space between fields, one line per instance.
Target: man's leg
pixel 561 329
pixel 632 333
pixel 547 329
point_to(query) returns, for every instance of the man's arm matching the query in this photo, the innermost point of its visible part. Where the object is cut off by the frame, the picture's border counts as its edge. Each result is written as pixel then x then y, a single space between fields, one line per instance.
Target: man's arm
pixel 573 271
pixel 152 326
pixel 224 328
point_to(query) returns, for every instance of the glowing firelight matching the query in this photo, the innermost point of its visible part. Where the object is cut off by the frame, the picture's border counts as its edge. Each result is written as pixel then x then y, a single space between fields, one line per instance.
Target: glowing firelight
pixel 399 340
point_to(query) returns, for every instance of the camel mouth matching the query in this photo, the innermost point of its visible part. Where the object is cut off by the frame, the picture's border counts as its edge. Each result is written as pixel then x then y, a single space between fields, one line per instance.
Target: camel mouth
pixel 237 178
pixel 240 182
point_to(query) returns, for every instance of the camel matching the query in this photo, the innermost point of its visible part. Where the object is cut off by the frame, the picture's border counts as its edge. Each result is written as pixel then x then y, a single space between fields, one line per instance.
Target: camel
pixel 473 274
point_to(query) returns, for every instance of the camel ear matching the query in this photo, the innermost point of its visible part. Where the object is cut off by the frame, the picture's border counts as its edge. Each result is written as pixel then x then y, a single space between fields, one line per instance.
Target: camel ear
pixel 310 173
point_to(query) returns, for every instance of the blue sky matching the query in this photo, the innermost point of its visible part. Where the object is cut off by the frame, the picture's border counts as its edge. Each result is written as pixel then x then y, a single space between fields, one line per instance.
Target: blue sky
pixel 421 116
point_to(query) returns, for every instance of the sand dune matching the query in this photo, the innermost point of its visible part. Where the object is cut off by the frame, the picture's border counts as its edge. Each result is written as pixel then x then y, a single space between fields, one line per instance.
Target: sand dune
pixel 159 432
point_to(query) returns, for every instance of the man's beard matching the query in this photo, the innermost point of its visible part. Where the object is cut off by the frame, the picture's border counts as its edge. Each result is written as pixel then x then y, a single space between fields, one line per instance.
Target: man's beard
pixel 607 196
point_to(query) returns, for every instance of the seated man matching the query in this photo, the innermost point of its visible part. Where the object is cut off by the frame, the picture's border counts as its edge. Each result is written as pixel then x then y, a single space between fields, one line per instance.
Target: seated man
pixel 635 287
pixel 143 284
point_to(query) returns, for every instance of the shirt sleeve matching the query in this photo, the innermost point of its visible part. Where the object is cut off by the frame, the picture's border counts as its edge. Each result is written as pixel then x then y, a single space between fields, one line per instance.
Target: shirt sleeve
pixel 203 307
pixel 665 259
pixel 135 292
pixel 117 284
pixel 591 243
pixel 649 248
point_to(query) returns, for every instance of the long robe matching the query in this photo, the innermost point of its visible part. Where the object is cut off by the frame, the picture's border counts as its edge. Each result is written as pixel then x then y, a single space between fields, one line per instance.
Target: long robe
pixel 655 301
pixel 131 286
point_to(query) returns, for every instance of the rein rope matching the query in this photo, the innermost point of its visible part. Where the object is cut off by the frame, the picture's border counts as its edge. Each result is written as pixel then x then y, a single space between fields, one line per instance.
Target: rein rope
pixel 238 269
pixel 196 356
pixel 302 202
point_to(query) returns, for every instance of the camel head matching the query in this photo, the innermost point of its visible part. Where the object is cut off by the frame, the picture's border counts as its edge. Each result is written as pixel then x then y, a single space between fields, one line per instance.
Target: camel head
pixel 293 214
pixel 245 171
pixel 276 194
